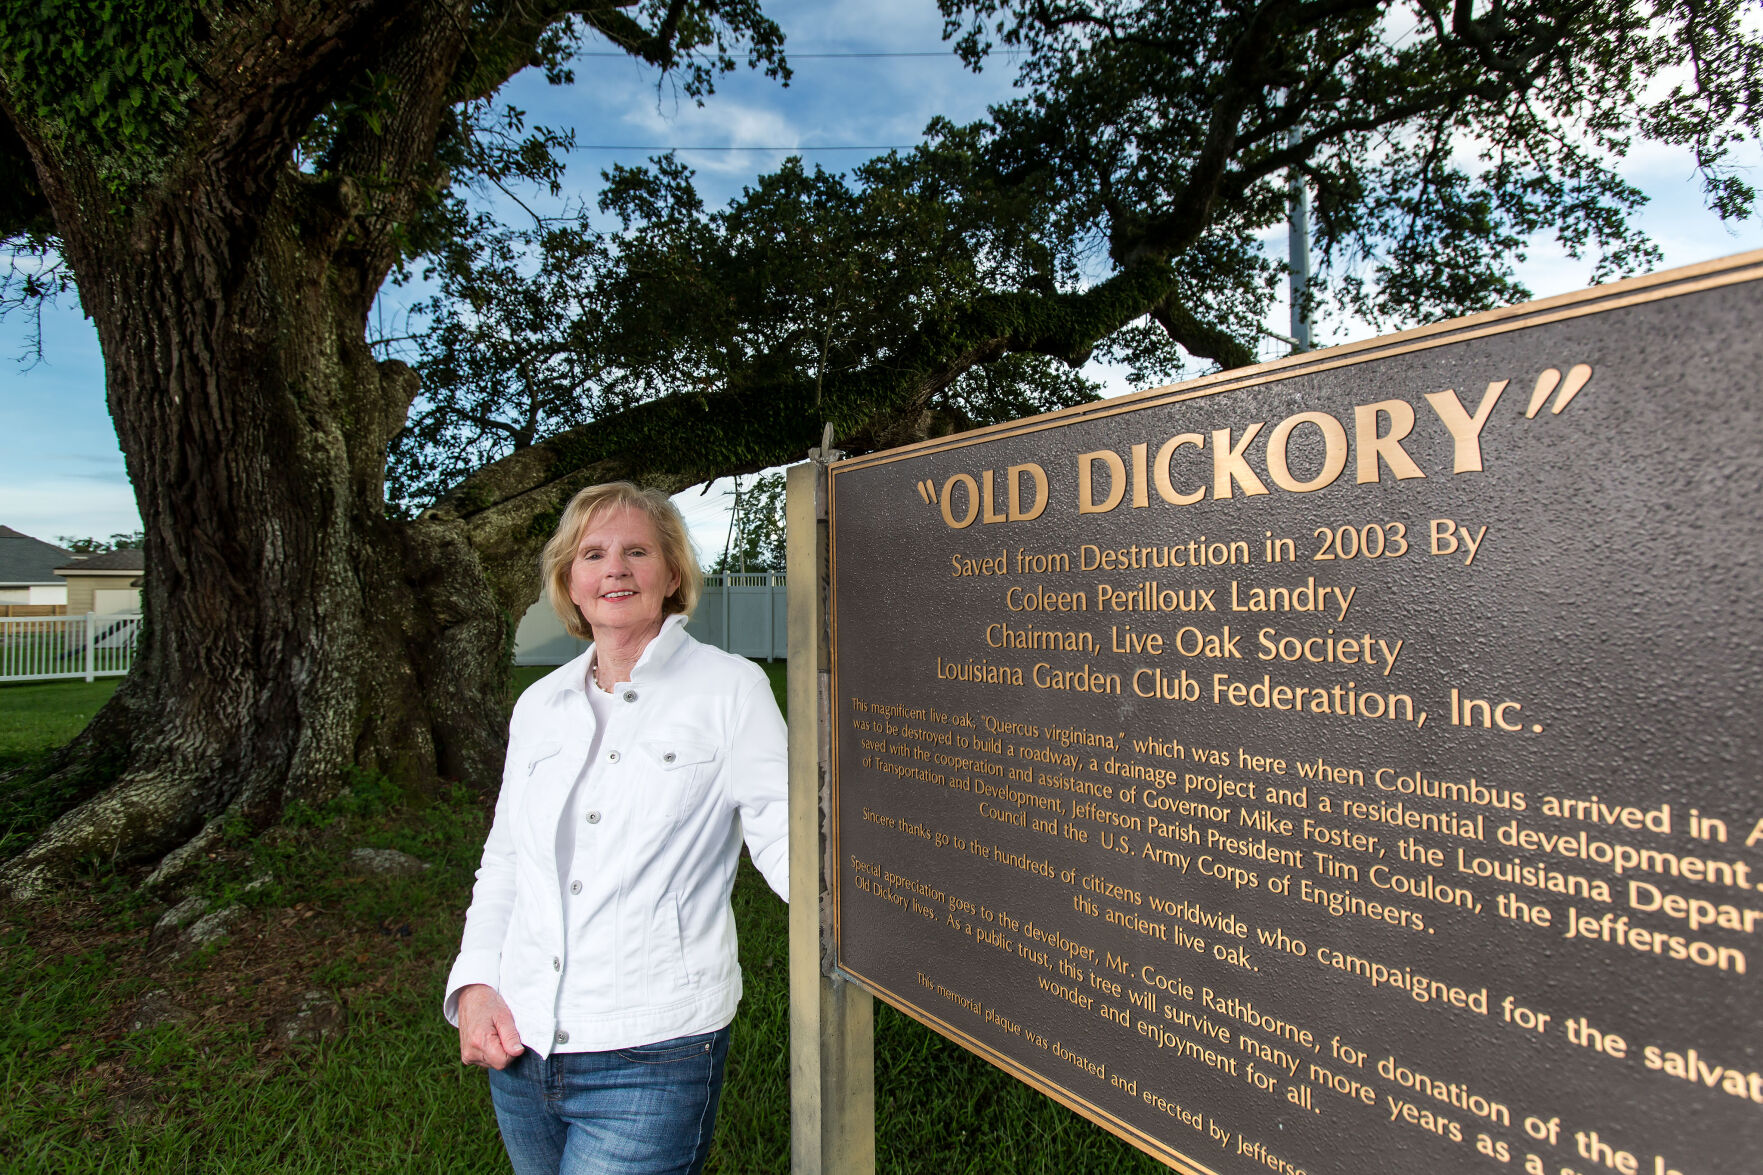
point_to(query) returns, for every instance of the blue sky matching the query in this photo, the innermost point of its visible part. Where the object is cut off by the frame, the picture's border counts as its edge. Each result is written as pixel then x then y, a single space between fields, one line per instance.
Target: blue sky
pixel 61 472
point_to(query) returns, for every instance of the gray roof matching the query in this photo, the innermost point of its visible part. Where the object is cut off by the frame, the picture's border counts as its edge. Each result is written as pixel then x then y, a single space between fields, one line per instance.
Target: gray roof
pixel 25 560
pixel 126 559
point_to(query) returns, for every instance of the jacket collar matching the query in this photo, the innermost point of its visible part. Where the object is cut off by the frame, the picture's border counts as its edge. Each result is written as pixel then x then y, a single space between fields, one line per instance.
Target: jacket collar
pixel 653 662
pixel 660 651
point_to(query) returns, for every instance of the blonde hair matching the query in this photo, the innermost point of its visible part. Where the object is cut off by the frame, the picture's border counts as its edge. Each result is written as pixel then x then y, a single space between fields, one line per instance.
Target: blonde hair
pixel 588 507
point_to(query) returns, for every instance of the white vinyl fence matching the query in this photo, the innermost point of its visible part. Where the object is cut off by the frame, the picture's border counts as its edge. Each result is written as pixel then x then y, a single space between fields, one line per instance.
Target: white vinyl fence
pixel 743 613
pixel 44 648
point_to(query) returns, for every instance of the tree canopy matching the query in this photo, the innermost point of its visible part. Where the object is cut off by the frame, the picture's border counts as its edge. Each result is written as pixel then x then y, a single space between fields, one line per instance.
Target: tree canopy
pixel 1115 210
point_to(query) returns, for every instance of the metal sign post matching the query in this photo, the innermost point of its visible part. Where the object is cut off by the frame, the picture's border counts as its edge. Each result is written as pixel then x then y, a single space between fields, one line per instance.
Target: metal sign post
pixel 832 1023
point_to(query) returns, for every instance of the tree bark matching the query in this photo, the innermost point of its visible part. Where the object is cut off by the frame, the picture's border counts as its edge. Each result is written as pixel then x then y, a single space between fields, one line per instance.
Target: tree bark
pixel 294 633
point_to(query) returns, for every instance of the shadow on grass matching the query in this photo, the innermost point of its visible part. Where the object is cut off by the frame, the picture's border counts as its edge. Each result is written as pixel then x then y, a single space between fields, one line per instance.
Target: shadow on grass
pixel 35 719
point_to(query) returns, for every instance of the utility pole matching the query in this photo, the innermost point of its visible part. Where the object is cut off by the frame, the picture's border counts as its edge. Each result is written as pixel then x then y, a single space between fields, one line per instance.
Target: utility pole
pixel 734 516
pixel 1298 248
pixel 728 578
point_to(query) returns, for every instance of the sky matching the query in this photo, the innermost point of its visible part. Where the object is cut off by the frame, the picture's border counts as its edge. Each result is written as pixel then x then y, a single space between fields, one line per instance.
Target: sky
pixel 61 472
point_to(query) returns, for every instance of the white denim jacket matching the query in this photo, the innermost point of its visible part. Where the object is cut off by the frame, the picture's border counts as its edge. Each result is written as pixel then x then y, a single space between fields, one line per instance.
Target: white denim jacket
pixel 693 755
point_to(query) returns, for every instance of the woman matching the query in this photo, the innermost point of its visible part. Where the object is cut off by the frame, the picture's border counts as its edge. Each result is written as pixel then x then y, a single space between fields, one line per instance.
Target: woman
pixel 597 976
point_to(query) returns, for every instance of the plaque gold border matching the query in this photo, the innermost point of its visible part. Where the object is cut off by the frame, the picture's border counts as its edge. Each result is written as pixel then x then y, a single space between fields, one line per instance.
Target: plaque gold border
pixel 1669 283
pixel 1030 1077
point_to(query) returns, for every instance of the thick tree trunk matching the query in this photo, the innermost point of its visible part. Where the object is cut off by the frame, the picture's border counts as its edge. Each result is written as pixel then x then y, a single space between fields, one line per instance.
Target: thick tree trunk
pixel 293 632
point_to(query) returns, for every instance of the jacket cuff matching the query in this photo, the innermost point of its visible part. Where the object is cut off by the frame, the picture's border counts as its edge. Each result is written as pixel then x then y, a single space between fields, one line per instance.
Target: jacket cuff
pixel 471 967
pixel 773 863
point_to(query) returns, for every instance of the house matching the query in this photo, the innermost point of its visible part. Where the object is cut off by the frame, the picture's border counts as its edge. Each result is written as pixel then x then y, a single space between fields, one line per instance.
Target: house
pixel 28 584
pixel 110 582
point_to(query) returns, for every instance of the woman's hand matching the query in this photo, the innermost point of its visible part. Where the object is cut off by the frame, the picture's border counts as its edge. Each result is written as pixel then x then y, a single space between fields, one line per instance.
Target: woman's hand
pixel 487 1036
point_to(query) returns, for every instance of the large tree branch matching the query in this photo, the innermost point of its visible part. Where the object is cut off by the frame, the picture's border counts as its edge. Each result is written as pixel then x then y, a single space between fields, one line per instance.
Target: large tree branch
pixel 443 62
pixel 1298 152
pixel 770 412
pixel 1213 179
pixel 656 47
pixel 507 509
pixel 499 48
pixel 1199 338
pixel 1243 80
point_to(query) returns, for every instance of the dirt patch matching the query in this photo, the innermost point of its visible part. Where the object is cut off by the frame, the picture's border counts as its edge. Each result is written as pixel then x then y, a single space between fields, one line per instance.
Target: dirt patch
pixel 278 979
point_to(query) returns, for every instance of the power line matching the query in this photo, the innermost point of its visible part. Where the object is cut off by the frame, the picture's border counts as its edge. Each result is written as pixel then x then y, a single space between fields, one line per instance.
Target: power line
pixel 800 56
pixel 664 147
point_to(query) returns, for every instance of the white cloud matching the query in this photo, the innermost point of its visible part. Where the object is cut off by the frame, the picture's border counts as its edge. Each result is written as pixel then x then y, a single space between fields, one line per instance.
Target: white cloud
pixel 730 123
pixel 707 513
pixel 66 505
pixel 860 25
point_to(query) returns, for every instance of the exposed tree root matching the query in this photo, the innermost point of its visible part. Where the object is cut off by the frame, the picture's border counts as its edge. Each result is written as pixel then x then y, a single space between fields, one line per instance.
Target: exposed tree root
pixel 139 816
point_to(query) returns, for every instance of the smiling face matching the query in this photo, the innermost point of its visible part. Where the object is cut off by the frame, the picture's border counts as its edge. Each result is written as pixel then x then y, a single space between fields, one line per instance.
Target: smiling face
pixel 620 579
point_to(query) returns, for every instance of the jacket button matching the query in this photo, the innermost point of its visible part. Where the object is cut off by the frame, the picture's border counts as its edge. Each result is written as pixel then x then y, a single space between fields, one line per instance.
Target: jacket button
pixel 593 818
pixel 562 1037
pixel 575 887
pixel 669 757
pixel 630 695
pixel 556 963
pixel 612 755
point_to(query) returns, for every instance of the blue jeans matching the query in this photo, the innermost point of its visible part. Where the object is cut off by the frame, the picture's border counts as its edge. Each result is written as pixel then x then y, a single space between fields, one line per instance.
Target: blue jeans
pixel 639 1111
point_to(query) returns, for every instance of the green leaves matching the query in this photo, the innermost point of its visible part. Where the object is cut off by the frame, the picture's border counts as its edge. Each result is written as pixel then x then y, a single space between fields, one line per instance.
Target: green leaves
pixel 109 76
pixel 812 296
pixel 1436 141
pixel 756 530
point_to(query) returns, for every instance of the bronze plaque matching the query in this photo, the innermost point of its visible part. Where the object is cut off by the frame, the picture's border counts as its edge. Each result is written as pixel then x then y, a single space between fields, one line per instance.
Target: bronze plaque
pixel 1345 765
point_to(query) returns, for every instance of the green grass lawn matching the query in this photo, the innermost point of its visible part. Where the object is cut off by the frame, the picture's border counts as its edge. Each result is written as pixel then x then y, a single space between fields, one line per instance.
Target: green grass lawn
pixel 37 716
pixel 218 1090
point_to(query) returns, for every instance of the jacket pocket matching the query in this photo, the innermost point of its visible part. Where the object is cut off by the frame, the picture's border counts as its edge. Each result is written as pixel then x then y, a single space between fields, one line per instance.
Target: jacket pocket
pixel 683 770
pixel 667 1052
pixel 667 945
pixel 537 807
pixel 539 754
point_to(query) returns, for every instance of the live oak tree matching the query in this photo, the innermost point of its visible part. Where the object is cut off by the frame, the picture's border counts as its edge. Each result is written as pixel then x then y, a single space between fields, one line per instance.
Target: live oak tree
pixel 231 184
